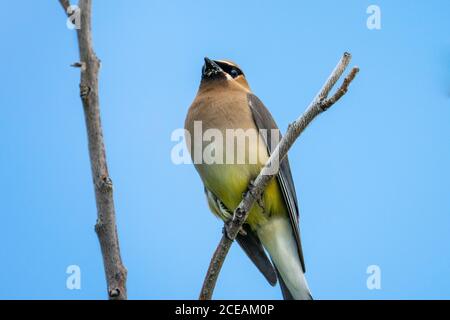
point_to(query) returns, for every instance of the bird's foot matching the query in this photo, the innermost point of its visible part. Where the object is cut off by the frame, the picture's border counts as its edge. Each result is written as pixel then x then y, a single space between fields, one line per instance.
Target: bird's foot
pixel 242 232
pixel 259 199
pixel 226 230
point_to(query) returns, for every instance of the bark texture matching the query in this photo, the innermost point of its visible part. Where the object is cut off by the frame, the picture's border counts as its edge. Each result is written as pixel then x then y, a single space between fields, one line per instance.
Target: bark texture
pixel 116 273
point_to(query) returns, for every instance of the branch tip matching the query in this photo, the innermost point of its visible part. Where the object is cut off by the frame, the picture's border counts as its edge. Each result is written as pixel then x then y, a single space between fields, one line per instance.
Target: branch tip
pixel 77 65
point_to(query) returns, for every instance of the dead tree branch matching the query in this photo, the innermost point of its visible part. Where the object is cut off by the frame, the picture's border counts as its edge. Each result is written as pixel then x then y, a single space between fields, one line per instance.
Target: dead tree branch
pixel 317 106
pixel 106 229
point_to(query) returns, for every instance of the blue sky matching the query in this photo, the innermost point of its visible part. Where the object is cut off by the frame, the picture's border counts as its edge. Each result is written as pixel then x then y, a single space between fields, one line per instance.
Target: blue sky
pixel 372 173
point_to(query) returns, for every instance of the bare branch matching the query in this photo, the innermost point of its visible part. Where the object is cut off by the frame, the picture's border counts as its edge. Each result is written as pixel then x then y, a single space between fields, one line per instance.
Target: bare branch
pixel 342 90
pixel 319 105
pixel 65 4
pixel 106 229
pixel 334 76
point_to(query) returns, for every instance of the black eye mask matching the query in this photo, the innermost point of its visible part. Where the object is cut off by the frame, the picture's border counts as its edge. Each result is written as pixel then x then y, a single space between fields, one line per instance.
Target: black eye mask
pixel 233 71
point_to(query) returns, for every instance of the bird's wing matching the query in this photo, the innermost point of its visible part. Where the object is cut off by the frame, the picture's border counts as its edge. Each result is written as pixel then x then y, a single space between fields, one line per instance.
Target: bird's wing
pixel 248 240
pixel 264 120
pixel 252 246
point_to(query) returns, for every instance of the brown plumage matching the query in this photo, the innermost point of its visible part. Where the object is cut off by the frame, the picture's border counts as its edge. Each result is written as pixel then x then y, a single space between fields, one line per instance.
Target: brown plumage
pixel 224 101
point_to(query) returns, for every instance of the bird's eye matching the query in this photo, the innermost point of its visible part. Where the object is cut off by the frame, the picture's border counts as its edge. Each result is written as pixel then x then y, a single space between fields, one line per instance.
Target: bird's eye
pixel 234 73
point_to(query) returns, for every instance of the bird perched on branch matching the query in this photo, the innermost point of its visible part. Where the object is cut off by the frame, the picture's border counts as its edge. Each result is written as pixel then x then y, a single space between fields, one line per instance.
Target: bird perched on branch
pixel 225 106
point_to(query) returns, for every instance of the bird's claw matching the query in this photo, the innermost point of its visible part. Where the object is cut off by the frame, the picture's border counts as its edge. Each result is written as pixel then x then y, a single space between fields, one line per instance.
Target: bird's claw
pixel 226 230
pixel 259 200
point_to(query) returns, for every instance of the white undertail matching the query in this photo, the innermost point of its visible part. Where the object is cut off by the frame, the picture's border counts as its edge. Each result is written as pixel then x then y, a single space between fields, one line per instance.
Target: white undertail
pixel 278 239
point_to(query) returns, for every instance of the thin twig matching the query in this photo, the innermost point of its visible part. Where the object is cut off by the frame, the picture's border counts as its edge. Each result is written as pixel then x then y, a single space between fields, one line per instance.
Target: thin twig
pixel 334 77
pixel 106 229
pixel 317 106
pixel 65 4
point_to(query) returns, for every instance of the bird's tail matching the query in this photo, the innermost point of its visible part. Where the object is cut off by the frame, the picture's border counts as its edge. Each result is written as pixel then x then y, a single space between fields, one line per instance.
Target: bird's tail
pixel 278 239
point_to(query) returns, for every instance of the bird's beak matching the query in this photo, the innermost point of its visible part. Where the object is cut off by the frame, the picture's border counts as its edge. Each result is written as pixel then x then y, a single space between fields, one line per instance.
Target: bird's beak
pixel 210 68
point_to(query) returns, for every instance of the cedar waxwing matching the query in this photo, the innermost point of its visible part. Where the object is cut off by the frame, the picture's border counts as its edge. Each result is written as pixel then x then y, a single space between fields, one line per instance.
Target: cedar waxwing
pixel 224 101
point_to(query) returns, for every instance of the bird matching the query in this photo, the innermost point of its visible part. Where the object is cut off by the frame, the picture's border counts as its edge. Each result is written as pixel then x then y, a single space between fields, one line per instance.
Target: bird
pixel 270 236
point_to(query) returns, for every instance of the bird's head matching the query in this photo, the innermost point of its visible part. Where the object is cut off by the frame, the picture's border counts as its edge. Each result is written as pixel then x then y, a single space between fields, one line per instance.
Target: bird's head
pixel 223 71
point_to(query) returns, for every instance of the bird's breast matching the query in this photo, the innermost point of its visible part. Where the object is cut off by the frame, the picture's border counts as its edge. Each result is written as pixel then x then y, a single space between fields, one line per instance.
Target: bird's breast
pixel 232 150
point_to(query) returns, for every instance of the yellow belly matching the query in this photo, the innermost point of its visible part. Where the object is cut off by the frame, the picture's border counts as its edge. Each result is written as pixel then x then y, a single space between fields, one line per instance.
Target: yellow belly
pixel 230 182
pixel 228 109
